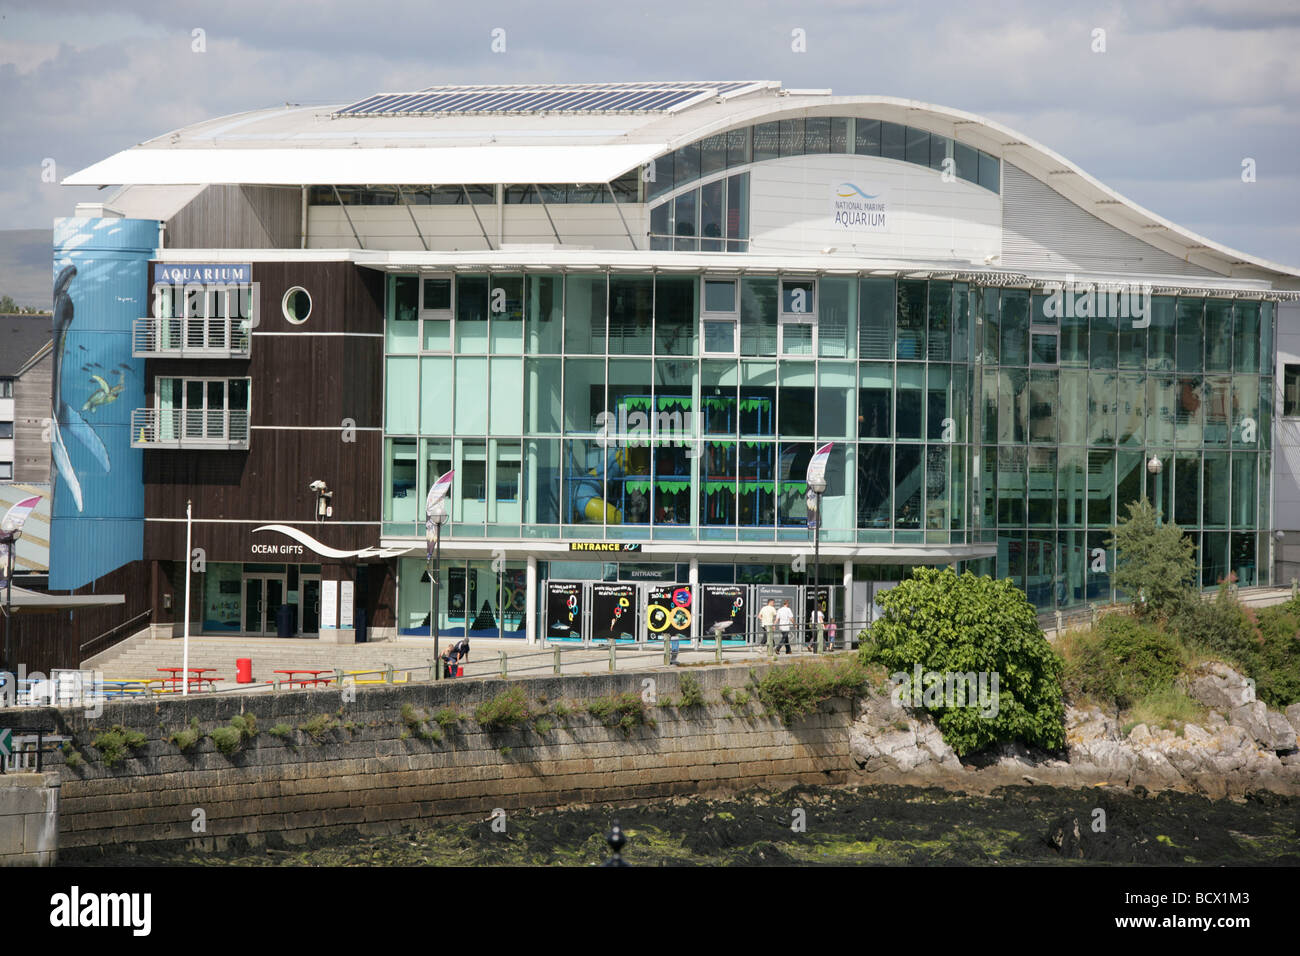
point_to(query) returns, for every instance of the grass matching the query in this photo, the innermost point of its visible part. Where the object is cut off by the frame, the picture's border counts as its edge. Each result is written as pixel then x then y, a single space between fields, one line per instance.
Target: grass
pixel 187 738
pixel 1169 708
pixel 72 759
pixel 318 728
pixel 506 711
pixel 114 745
pixel 725 694
pixel 562 710
pixel 692 692
pixel 227 740
pixel 448 716
pixel 280 730
pixel 794 690
pixel 543 725
pixel 625 711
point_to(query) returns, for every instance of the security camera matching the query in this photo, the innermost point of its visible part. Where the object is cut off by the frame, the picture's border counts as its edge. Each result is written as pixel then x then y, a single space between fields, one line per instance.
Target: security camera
pixel 317 485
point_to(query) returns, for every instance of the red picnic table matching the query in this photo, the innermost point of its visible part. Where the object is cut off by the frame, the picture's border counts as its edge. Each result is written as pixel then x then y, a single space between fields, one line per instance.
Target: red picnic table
pixel 314 680
pixel 195 676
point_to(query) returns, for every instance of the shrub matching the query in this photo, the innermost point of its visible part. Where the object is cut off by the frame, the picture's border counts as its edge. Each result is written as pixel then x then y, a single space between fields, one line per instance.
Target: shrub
pixel 740 698
pixel 72 759
pixel 1124 660
pixel 187 738
pixel 793 690
pixel 281 730
pixel 939 621
pixel 543 725
pixel 447 716
pixel 1155 564
pixel 227 739
pixel 1274 661
pixel 1220 627
pixel 318 728
pixel 246 724
pixel 113 745
pixel 561 710
pixel 725 694
pixel 625 711
pixel 692 693
pixel 506 710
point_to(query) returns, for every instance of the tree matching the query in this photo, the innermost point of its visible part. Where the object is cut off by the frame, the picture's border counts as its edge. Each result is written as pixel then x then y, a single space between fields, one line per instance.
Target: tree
pixel 7 305
pixel 939 623
pixel 1155 564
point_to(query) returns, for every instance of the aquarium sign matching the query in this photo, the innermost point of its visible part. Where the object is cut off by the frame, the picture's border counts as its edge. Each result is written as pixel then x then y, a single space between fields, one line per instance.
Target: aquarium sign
pixel 204 273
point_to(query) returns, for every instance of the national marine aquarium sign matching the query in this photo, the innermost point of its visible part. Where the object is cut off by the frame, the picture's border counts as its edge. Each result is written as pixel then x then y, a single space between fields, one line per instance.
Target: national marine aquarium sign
pixel 859 209
pixel 202 273
pixel 100 281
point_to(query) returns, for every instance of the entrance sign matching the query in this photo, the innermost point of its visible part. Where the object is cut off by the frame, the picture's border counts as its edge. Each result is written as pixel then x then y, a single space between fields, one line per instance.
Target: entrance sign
pixel 603 546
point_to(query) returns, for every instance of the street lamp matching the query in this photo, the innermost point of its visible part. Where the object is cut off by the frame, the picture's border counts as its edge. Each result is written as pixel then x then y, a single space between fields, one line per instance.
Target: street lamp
pixel 1154 467
pixel 11 529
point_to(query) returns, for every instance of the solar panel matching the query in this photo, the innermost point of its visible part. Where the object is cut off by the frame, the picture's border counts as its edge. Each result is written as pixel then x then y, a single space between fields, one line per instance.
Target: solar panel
pixel 542 98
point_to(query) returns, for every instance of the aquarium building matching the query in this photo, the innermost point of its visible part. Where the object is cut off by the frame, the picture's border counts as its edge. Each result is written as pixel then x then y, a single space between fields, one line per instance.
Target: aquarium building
pixel 625 315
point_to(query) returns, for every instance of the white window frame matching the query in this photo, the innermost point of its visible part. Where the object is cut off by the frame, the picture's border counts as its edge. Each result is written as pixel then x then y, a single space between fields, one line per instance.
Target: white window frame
pixel 447 315
pixel 797 318
pixel 731 316
pixel 185 380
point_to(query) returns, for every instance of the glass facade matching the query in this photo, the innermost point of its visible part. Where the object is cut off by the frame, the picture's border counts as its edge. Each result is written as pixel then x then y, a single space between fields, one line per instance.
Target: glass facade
pixel 668 407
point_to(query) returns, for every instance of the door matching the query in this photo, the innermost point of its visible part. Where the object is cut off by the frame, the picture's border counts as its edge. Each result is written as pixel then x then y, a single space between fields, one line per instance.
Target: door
pixel 263 596
pixel 309 604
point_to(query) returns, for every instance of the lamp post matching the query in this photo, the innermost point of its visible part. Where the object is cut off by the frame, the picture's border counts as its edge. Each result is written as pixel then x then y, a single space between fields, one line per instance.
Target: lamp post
pixel 1154 467
pixel 11 529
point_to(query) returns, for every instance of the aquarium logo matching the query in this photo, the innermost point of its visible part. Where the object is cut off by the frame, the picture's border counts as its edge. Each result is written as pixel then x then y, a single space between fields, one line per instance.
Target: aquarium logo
pixel 852 207
pixel 948 689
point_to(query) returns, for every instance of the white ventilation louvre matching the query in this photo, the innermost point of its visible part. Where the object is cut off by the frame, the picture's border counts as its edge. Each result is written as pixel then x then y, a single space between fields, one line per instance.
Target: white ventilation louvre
pixel 1041 229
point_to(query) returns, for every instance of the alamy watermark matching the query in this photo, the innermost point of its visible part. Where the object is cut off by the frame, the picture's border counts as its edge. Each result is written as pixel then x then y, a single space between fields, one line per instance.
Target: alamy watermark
pixel 947 689
pixel 1084 300
pixel 631 427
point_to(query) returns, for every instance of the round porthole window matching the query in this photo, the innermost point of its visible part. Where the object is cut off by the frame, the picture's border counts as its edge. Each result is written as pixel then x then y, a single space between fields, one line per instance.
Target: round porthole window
pixel 296 305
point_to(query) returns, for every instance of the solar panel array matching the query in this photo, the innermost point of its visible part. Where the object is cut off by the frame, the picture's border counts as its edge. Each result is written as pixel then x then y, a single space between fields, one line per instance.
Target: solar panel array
pixel 547 98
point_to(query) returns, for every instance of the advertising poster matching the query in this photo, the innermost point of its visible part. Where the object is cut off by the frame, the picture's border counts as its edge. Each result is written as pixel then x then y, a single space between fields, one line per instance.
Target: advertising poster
pixel 563 609
pixel 613 612
pixel 723 607
pixel 669 612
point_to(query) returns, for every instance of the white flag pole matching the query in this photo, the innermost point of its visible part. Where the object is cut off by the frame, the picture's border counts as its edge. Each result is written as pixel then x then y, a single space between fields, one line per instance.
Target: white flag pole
pixel 185 663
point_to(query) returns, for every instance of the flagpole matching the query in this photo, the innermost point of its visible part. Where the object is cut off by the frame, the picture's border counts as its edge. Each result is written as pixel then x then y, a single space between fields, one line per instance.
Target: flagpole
pixel 189 541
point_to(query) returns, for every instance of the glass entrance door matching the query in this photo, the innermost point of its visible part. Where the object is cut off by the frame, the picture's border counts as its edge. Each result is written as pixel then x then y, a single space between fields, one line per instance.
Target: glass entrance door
pixel 263 596
pixel 309 608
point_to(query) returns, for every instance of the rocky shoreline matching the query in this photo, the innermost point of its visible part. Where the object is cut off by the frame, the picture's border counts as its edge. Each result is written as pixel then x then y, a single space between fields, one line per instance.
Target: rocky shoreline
pixel 1242 747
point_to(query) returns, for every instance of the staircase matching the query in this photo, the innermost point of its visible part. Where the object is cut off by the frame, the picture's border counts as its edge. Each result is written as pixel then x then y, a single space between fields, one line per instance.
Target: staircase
pixel 142 659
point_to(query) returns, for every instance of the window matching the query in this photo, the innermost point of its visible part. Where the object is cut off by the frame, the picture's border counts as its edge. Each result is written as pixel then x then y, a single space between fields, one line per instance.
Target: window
pixel 201 409
pixel 718 330
pixel 6 388
pixel 6 429
pixel 6 470
pixel 296 305
pixel 1291 390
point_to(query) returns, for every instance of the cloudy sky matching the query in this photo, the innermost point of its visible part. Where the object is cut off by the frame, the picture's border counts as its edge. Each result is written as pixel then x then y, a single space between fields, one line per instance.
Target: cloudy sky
pixel 1183 93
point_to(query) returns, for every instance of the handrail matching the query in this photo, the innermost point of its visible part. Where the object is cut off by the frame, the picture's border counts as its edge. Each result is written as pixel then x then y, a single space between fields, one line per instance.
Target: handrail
pixel 112 629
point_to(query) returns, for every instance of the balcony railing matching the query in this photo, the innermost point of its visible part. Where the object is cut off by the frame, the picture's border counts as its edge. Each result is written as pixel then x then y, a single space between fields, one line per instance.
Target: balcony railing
pixel 193 337
pixel 189 428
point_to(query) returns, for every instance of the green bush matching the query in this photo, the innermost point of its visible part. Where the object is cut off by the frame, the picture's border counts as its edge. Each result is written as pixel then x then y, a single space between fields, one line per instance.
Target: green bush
pixel 281 730
pixel 187 738
pixel 1124 660
pixel 447 716
pixel 1274 660
pixel 1220 627
pixel 954 624
pixel 227 739
pixel 318 728
pixel 626 711
pixel 506 710
pixel 692 693
pixel 246 724
pixel 793 690
pixel 113 745
pixel 543 725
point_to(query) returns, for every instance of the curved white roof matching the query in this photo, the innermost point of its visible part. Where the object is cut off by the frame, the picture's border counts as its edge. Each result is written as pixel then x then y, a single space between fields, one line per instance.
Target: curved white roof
pixel 297 145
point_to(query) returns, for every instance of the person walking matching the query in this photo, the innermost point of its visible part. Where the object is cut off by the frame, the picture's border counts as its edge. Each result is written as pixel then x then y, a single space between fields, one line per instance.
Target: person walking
pixel 817 628
pixel 831 631
pixel 767 620
pixel 784 622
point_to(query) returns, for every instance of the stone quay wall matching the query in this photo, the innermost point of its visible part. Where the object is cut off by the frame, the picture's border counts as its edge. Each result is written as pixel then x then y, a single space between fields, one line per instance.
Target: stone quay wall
pixel 373 759
pixel 29 819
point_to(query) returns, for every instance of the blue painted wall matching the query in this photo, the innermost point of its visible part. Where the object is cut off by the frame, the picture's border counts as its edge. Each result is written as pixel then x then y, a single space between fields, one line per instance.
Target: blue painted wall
pixel 98 517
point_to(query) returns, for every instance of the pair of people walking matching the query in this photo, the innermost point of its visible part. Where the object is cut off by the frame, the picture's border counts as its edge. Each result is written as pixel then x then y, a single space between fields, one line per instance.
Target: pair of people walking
pixel 774 621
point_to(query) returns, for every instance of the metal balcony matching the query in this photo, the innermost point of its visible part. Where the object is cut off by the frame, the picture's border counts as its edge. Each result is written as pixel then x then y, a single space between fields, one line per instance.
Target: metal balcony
pixel 185 428
pixel 193 337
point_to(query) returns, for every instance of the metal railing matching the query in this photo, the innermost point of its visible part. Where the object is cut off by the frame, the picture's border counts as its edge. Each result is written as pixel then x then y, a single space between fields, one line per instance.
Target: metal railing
pixel 109 633
pixel 189 428
pixel 29 746
pixel 192 336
